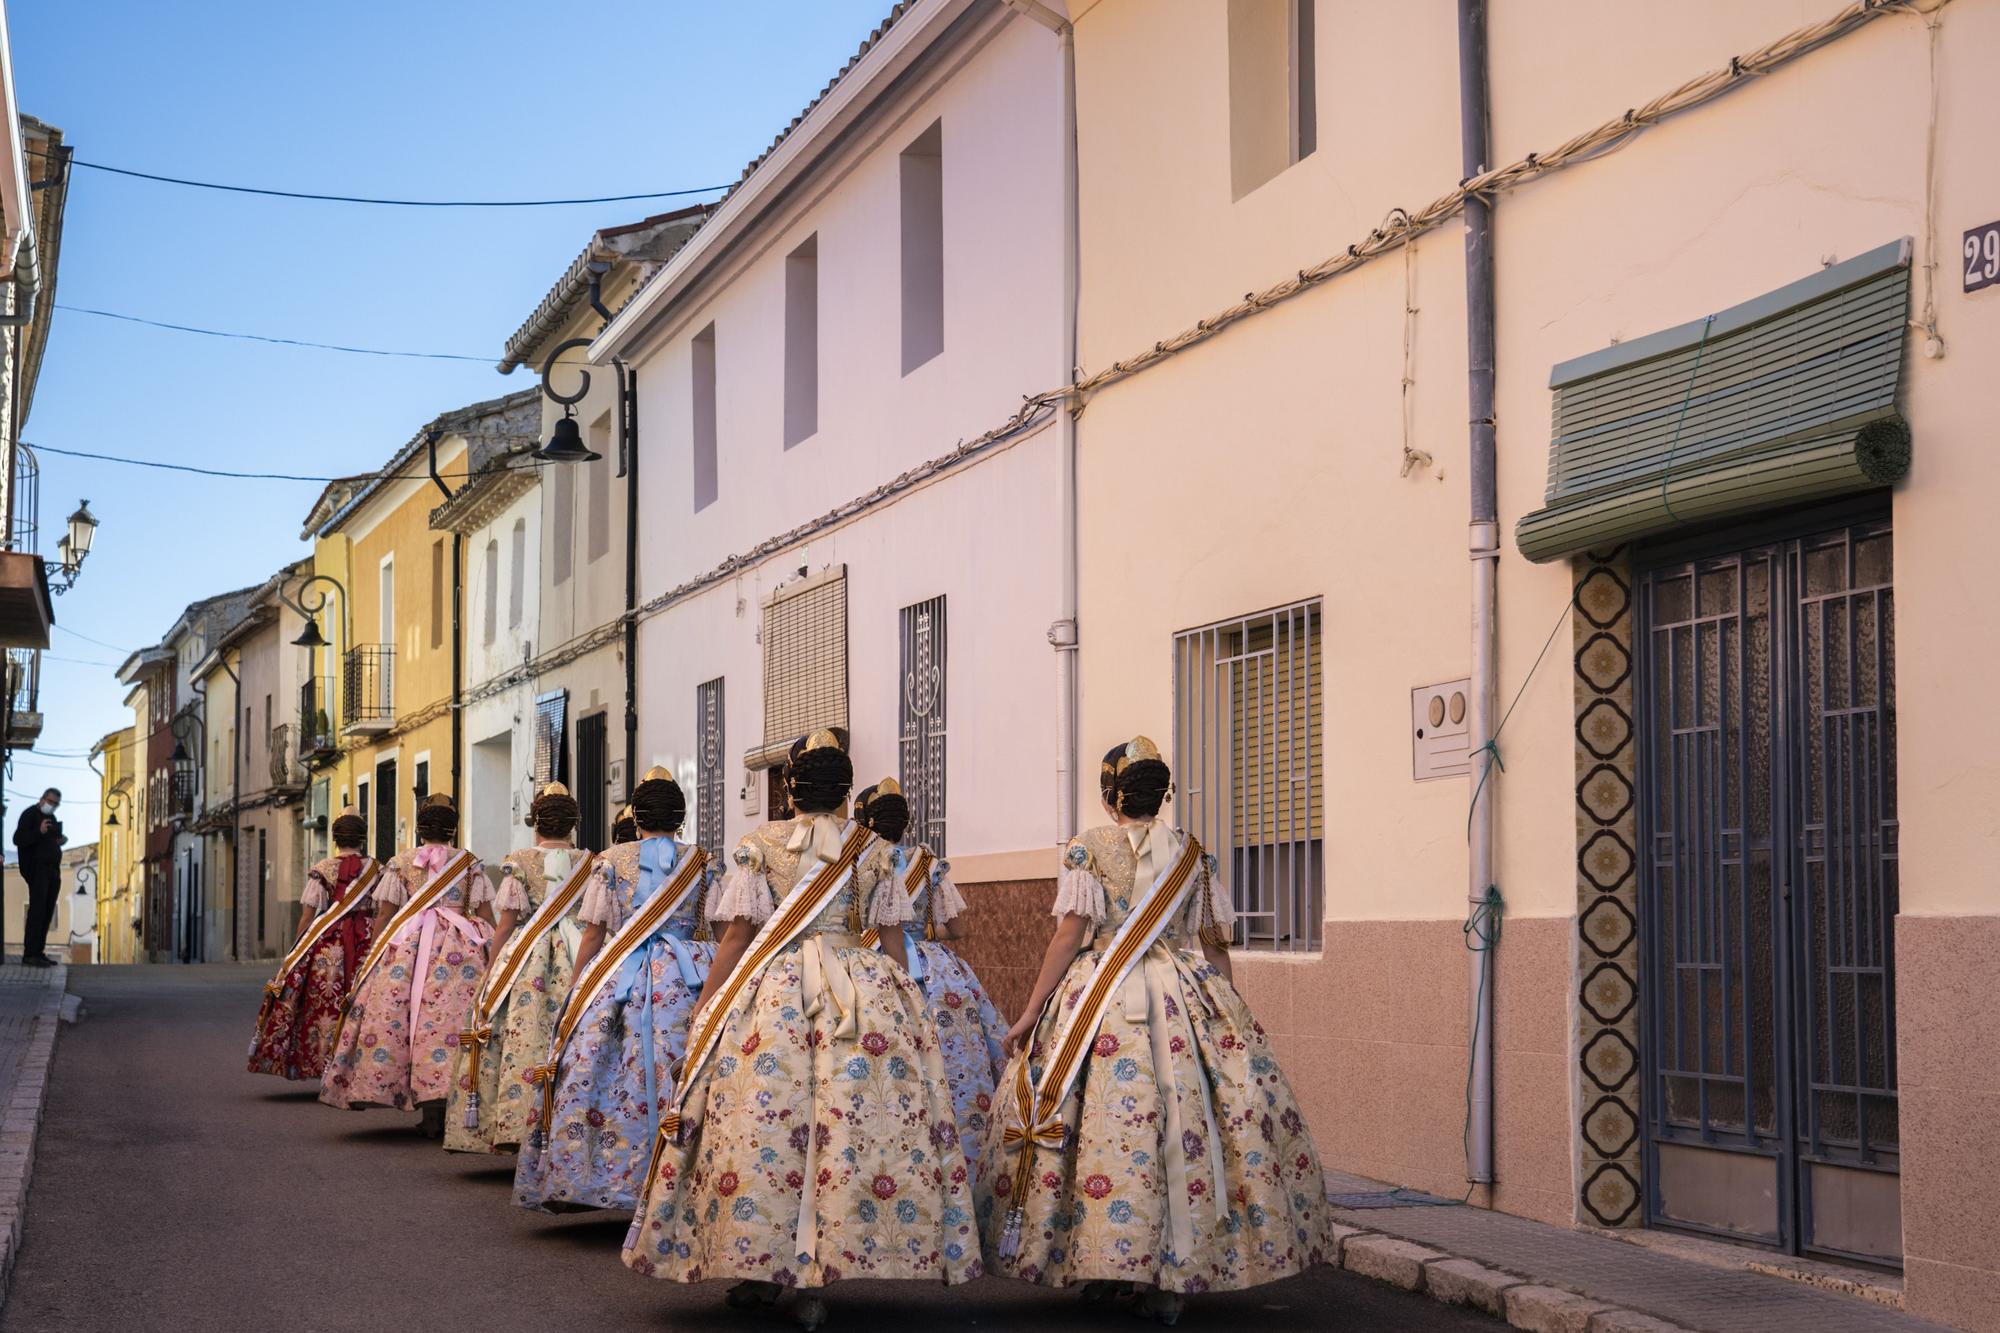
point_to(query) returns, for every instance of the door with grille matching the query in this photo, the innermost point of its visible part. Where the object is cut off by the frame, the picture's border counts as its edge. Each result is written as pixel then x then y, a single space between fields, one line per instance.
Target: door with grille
pixel 593 756
pixel 1766 694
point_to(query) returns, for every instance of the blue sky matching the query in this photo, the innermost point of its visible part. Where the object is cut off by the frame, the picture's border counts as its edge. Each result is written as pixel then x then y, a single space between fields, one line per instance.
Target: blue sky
pixel 496 99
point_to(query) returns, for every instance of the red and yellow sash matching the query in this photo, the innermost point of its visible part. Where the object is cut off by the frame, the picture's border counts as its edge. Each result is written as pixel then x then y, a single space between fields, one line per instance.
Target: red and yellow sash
pixel 800 909
pixel 420 902
pixel 913 884
pixel 325 922
pixel 656 912
pixel 1037 1105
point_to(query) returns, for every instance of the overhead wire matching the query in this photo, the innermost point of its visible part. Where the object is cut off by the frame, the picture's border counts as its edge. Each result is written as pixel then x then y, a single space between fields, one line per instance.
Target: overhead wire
pixel 330 198
pixel 269 338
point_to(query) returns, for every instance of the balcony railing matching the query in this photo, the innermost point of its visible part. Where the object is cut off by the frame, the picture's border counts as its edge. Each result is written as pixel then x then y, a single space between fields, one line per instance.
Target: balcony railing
pixel 23 686
pixel 368 690
pixel 316 735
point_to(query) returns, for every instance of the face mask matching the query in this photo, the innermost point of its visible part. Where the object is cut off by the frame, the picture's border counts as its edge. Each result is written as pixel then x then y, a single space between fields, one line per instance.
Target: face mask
pixel 48 808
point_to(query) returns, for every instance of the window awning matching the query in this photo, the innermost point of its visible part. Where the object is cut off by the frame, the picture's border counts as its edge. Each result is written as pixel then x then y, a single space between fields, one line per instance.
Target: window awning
pixel 1786 398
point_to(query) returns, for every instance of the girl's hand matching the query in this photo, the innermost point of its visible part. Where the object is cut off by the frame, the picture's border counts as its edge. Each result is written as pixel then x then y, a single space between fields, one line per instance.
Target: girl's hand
pixel 1018 1035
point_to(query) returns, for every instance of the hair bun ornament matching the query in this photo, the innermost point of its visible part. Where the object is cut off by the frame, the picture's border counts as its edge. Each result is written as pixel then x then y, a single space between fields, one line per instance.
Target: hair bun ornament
pixel 1136 749
pixel 888 787
pixel 554 789
pixel 657 773
pixel 349 812
pixel 437 800
pixel 822 738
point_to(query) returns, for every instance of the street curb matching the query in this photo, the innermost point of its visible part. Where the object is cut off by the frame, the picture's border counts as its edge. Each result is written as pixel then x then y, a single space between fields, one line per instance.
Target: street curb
pixel 21 1119
pixel 1457 1280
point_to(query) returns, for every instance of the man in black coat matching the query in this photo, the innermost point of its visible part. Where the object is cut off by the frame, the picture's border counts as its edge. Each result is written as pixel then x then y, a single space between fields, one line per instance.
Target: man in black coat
pixel 38 842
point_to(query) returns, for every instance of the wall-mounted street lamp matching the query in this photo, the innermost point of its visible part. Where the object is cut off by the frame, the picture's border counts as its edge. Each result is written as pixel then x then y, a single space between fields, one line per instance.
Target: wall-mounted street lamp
pixel 309 601
pixel 115 798
pixel 566 440
pixel 73 547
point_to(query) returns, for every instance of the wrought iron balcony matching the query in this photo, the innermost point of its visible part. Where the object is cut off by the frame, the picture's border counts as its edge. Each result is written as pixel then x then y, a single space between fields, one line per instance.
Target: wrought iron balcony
pixel 317 740
pixel 368 689
pixel 23 685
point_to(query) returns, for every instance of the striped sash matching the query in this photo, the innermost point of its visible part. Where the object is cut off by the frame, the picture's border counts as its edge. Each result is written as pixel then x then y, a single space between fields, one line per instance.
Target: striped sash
pixel 913 884
pixel 506 969
pixel 657 911
pixel 325 922
pixel 1036 1120
pixel 420 902
pixel 800 909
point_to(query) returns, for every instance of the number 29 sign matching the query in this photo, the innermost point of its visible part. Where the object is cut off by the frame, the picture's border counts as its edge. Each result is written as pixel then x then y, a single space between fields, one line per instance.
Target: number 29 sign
pixel 1981 253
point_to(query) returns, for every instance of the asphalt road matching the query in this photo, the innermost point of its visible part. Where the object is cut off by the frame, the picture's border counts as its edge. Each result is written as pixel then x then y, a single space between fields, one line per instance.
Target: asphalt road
pixel 172 1190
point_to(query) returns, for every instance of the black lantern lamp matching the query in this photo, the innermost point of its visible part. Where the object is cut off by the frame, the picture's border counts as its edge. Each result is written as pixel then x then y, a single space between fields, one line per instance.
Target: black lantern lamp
pixel 566 443
pixel 310 637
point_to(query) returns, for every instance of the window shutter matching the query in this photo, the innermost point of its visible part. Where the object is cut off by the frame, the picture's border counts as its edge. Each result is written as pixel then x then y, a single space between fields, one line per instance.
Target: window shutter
pixel 805 662
pixel 1787 398
pixel 437 594
pixel 551 733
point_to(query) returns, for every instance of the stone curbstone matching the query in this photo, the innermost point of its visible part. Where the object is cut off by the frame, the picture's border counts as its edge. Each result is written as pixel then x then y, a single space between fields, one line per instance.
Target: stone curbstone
pixel 1386 1259
pixel 1464 1282
pixel 1337 1236
pixel 1541 1309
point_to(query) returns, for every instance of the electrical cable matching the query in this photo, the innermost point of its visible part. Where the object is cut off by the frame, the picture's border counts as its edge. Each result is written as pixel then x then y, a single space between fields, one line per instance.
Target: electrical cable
pixel 227 474
pixel 387 203
pixel 266 338
pixel 114 647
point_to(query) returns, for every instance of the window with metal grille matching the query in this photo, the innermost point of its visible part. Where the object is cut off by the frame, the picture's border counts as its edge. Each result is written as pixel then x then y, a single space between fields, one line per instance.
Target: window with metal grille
pixel 921 763
pixel 593 753
pixel 709 757
pixel 1248 752
pixel 551 738
pixel 805 656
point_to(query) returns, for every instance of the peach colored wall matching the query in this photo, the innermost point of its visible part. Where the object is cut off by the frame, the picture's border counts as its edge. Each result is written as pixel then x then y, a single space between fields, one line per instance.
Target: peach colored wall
pixel 985 536
pixel 1267 459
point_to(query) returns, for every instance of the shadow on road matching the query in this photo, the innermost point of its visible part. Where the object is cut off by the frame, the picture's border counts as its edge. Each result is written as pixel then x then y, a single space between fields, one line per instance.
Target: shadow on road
pixel 293 1095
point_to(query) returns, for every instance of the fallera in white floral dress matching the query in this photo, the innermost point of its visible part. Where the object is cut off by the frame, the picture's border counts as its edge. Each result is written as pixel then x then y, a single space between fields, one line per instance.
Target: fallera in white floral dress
pixel 618 1069
pixel 1179 1120
pixel 525 1018
pixel 827 1147
pixel 396 1044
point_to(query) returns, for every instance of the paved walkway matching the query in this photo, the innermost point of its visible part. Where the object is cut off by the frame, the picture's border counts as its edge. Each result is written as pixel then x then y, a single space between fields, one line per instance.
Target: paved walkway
pixel 31 1000
pixel 1578 1279
pixel 177 1192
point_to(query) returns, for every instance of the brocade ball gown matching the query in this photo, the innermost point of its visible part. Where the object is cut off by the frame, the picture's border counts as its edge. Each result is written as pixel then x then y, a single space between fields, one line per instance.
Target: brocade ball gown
pixel 1185 1164
pixel 618 1068
pixel 523 1020
pixel 395 1048
pixel 302 1008
pixel 971 1033
pixel 820 1142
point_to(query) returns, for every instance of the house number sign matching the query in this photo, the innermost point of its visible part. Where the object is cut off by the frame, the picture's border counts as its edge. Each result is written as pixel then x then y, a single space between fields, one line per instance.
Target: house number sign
pixel 1981 253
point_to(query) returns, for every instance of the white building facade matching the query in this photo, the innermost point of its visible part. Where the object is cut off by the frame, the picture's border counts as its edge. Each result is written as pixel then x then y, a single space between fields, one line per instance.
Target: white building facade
pixel 818 549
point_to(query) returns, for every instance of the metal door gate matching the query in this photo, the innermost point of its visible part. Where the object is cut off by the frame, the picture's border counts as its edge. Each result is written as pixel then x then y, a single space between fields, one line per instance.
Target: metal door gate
pixel 1766 695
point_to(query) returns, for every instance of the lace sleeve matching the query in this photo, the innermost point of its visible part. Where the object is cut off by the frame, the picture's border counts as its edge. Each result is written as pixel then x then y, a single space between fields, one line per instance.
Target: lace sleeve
pixel 479 889
pixel 947 902
pixel 745 893
pixel 390 890
pixel 888 901
pixel 1078 890
pixel 600 900
pixel 513 895
pixel 314 897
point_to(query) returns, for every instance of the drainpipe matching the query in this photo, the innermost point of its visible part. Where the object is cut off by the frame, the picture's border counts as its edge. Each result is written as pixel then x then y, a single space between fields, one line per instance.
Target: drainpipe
pixel 1063 633
pixel 628 459
pixel 457 616
pixel 1484 549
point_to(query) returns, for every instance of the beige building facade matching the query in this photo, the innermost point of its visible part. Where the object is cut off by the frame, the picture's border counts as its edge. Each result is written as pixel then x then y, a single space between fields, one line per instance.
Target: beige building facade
pixel 1743 831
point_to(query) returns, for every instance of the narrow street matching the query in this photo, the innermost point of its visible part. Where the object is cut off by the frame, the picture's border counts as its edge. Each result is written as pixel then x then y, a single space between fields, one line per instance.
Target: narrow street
pixel 175 1191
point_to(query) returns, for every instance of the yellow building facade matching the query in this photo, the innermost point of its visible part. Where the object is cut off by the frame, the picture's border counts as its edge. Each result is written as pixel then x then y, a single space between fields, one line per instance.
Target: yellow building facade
pixel 119 836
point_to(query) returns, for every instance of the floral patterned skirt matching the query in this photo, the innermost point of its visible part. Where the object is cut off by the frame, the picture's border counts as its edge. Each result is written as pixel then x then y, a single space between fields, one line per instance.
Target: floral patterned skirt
pixel 604 1123
pixel 971 1034
pixel 402 1029
pixel 1240 1171
pixel 523 1025
pixel 295 1023
pixel 825 1145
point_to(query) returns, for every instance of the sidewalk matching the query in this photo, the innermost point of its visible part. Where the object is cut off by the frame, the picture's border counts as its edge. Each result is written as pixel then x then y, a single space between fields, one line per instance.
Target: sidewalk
pixel 1554 1280
pixel 31 1004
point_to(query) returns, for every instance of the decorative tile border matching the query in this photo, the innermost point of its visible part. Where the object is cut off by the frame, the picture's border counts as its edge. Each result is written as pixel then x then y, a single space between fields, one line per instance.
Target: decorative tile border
pixel 1610 1165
